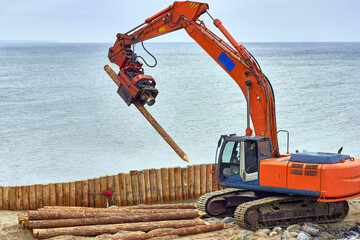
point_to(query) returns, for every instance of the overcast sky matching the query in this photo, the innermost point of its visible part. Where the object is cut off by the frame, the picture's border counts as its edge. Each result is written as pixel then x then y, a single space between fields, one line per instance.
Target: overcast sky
pixel 246 20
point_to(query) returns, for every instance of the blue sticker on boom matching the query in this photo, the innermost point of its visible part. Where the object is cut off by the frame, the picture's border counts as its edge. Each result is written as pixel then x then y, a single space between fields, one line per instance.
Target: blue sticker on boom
pixel 226 62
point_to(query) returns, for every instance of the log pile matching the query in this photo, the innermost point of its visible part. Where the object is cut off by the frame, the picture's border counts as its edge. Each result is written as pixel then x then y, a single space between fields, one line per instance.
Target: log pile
pixel 139 222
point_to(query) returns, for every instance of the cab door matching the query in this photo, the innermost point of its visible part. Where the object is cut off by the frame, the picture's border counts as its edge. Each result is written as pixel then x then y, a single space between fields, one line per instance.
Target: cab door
pixel 249 161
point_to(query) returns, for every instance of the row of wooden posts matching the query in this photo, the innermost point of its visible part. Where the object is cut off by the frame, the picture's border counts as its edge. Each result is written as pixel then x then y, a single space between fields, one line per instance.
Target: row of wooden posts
pixel 146 186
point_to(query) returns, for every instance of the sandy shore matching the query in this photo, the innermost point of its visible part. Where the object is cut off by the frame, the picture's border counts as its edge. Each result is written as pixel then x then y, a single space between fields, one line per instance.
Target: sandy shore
pixel 11 230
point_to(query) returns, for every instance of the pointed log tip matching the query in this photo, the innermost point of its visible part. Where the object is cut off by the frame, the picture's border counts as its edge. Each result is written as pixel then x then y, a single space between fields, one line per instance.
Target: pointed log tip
pixel 185 158
pixel 201 213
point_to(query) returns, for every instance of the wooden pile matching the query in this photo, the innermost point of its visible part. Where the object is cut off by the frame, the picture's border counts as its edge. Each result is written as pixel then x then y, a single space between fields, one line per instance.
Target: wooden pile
pixel 141 220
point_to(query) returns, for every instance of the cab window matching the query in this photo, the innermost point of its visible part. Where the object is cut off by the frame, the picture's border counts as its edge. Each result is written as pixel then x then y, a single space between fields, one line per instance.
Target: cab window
pixel 227 152
pixel 230 159
pixel 265 149
pixel 251 157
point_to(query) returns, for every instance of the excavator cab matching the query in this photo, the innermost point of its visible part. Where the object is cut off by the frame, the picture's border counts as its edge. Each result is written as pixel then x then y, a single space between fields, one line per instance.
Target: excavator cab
pixel 239 157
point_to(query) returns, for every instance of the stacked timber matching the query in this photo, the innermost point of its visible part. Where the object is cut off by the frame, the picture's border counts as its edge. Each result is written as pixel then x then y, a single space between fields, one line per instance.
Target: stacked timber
pixel 140 222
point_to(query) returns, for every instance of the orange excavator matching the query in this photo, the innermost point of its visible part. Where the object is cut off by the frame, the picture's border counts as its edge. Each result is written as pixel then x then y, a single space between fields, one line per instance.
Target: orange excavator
pixel 262 188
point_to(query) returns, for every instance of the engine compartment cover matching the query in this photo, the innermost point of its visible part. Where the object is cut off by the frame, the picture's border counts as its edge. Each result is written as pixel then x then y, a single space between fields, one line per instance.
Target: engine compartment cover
pixel 318 157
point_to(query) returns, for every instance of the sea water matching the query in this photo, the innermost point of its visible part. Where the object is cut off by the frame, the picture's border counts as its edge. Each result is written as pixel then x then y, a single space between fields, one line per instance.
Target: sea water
pixel 62 120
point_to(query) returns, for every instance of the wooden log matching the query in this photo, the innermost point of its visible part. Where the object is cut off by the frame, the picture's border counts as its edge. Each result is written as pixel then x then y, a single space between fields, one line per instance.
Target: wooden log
pixel 203 179
pixel 25 224
pixel 97 192
pixel 59 194
pixel 152 206
pixel 91 194
pixel 129 209
pixel 78 193
pixel 64 214
pixel 141 184
pixel 184 179
pixel 46 195
pixel 215 179
pixel 116 197
pixel 191 181
pixel 148 194
pixel 72 194
pixel 85 193
pixel 52 194
pixel 141 206
pixel 215 184
pixel 129 192
pixel 93 230
pixel 32 197
pixel 110 187
pixel 178 184
pixel 172 189
pixel 66 193
pixel 18 197
pixel 209 173
pixel 165 184
pixel 103 188
pixel 25 197
pixel 167 206
pixel 161 131
pixel 1 197
pixel 168 232
pixel 54 223
pixel 39 196
pixel 12 199
pixel 159 186
pixel 197 188
pixel 134 186
pixel 21 218
pixel 153 190
pixel 123 197
pixel 150 118
pixel 58 212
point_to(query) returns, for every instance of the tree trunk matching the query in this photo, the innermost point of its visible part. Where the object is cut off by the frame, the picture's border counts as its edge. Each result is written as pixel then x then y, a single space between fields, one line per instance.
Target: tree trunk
pixel 153 206
pixel 166 232
pixel 53 223
pixel 113 228
pixel 65 214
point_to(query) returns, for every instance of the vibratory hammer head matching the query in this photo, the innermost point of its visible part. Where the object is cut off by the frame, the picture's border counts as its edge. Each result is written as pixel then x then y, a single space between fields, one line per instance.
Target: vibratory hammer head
pixel 137 87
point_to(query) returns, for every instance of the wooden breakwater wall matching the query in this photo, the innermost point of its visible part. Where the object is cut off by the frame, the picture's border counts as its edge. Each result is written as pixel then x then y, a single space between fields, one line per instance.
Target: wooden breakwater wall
pixel 136 187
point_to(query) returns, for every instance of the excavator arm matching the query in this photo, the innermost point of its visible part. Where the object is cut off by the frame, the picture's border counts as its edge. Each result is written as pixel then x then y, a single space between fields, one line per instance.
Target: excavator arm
pixel 134 85
pixel 235 60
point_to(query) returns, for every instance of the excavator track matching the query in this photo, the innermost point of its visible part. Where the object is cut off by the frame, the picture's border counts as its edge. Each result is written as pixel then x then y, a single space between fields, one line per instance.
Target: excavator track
pixel 286 210
pixel 206 199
